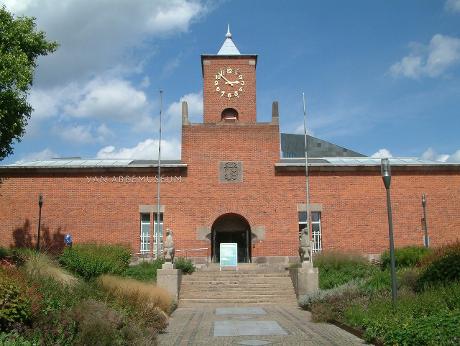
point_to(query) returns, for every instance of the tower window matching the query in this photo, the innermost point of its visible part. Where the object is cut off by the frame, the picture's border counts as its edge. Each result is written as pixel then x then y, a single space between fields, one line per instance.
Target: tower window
pixel 229 114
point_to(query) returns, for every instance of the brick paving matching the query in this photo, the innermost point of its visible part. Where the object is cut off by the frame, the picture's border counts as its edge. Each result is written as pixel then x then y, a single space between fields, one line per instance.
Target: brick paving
pixel 251 325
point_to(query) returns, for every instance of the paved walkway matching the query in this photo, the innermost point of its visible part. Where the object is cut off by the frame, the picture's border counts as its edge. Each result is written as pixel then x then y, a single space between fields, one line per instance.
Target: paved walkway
pixel 251 325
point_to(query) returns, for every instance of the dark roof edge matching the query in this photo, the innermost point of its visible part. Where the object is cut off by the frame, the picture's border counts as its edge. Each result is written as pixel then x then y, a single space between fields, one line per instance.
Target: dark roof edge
pixel 323 167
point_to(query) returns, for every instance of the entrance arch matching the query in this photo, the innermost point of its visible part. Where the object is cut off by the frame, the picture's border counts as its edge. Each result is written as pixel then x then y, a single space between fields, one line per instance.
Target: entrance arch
pixel 231 228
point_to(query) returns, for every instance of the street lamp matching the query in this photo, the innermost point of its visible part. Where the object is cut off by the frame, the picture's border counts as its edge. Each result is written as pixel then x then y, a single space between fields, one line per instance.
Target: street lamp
pixel 40 205
pixel 386 176
pixel 425 227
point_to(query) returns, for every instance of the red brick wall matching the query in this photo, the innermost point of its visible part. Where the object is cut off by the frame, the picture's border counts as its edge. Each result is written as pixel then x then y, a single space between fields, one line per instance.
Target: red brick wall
pixel 354 208
pixel 214 103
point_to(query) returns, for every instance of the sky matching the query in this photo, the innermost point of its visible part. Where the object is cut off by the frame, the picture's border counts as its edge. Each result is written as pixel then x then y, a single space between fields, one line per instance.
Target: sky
pixel 380 77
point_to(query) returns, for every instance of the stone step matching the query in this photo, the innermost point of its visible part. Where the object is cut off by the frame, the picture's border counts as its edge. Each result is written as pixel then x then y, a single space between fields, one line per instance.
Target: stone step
pixel 199 295
pixel 236 278
pixel 251 274
pixel 202 301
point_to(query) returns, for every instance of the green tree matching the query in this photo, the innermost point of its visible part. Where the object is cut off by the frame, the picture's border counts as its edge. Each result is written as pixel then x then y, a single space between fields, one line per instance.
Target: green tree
pixel 20 46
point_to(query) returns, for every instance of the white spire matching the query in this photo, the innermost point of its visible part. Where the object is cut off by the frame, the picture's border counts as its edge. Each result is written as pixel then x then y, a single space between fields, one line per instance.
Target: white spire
pixel 228 47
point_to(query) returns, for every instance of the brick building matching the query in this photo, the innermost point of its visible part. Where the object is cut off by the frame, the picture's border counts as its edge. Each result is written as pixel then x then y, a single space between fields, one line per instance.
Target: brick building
pixel 232 184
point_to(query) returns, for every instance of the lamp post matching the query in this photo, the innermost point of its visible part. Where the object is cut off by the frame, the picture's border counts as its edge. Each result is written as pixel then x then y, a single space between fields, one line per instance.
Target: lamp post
pixel 40 204
pixel 425 227
pixel 386 176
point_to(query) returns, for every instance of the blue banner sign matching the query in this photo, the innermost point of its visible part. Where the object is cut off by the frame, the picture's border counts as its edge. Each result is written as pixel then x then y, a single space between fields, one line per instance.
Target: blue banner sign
pixel 228 255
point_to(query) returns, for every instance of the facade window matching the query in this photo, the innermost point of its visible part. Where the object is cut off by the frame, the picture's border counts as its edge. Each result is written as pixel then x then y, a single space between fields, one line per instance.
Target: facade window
pixel 158 227
pixel 145 233
pixel 315 226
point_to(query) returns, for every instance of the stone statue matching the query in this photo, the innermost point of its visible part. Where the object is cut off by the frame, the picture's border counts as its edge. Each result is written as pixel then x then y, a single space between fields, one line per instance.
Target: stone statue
pixel 305 246
pixel 169 249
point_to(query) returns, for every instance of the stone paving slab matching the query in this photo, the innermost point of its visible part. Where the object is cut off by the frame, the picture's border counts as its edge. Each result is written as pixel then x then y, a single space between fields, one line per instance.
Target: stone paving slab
pixel 251 328
pixel 197 326
pixel 240 311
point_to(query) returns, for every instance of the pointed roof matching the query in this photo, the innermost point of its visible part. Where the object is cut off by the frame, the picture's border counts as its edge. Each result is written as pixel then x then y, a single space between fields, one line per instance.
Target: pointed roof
pixel 228 47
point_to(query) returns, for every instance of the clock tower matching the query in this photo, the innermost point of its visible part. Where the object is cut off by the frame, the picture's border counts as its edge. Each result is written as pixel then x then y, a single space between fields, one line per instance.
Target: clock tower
pixel 229 85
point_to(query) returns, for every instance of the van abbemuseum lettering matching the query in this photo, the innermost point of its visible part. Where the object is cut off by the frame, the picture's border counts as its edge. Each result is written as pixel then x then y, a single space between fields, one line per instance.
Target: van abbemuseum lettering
pixel 132 179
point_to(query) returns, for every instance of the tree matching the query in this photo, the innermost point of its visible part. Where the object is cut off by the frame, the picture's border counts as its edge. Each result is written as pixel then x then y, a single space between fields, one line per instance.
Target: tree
pixel 20 46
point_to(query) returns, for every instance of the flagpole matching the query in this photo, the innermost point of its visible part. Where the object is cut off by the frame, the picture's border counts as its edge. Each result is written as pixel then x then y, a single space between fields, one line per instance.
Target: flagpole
pixel 307 182
pixel 157 235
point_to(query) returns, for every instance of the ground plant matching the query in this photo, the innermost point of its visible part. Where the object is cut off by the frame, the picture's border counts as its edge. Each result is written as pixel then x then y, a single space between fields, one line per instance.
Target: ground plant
pixel 184 264
pixel 428 305
pixel 144 271
pixel 409 256
pixel 336 268
pixel 91 260
pixel 43 304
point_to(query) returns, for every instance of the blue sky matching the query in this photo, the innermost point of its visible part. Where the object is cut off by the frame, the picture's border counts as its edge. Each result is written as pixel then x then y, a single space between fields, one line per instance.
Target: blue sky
pixel 380 77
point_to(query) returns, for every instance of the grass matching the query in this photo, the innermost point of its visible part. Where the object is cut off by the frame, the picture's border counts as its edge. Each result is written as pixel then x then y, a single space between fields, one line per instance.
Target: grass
pixel 133 292
pixel 40 265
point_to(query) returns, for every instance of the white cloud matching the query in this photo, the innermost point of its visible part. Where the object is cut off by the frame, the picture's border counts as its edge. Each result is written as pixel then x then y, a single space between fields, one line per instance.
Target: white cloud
pixel 83 134
pixel 113 99
pixel 174 111
pixel 452 5
pixel 45 154
pixel 432 60
pixel 431 154
pixel 94 35
pixel 147 150
pixel 382 154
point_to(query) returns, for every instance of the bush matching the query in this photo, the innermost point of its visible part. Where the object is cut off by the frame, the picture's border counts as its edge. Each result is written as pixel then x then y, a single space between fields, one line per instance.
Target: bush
pixel 337 268
pixel 98 324
pixel 185 265
pixel 443 270
pixel 4 252
pixel 319 296
pixel 92 260
pixel 144 271
pixel 409 256
pixel 429 318
pixel 15 306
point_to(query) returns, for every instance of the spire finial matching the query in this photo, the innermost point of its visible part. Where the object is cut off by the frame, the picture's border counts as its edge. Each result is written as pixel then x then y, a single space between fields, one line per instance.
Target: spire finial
pixel 229 34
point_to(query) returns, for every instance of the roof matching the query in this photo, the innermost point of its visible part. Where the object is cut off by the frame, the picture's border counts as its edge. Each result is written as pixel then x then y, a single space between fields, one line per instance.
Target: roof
pixel 363 163
pixel 93 163
pixel 293 145
pixel 228 47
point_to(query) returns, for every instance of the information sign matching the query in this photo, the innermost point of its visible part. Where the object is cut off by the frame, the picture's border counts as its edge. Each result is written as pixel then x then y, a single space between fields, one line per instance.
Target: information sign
pixel 228 255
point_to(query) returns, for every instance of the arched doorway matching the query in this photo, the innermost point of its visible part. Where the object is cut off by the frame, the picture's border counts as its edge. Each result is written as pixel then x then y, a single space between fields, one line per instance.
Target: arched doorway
pixel 231 228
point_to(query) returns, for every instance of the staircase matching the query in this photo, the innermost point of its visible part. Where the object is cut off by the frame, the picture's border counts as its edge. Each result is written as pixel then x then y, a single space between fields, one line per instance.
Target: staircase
pixel 248 285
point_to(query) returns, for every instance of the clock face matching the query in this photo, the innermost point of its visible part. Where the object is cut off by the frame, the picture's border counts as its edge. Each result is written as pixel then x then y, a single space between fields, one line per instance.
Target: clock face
pixel 229 82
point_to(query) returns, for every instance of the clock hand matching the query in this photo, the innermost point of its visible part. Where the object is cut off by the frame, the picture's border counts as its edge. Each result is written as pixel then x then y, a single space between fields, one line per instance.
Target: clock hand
pixel 222 75
pixel 231 83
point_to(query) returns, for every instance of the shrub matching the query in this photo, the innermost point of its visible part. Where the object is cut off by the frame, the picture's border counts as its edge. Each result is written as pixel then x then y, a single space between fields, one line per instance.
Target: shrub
pixel 14 339
pixel 429 318
pixel 409 256
pixel 337 268
pixel 4 252
pixel 39 265
pixel 144 271
pixel 443 270
pixel 92 260
pixel 308 300
pixel 139 294
pixel 185 265
pixel 379 281
pixel 15 306
pixel 98 324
